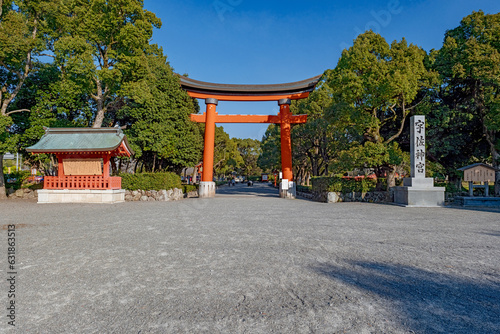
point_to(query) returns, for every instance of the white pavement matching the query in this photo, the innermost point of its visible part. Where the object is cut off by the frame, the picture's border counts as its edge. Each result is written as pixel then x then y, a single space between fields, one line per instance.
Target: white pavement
pixel 247 261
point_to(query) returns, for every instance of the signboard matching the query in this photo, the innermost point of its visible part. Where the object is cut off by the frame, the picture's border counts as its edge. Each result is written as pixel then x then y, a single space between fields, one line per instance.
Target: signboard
pixel 417 148
pixel 82 166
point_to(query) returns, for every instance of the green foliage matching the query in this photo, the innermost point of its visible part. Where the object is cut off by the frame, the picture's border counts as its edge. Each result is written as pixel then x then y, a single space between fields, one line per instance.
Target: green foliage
pixel 20 177
pixel 343 185
pixel 157 113
pixel 469 100
pixel 189 187
pixel 317 143
pixel 304 189
pixel 375 86
pixel 227 158
pixel 99 46
pixel 249 150
pixel 450 187
pixel 7 140
pixel 151 181
pixel 270 158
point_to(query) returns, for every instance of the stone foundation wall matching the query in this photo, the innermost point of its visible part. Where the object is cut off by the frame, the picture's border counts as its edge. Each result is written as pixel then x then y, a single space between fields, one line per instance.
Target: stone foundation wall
pixel 334 197
pixel 136 195
pixel 160 195
pixel 24 194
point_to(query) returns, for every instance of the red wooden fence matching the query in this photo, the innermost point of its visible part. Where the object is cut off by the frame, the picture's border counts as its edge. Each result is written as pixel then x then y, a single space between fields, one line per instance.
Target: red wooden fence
pixel 82 182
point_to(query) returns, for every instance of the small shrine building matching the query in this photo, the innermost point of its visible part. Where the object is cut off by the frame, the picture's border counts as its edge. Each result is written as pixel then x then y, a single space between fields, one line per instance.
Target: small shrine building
pixel 83 157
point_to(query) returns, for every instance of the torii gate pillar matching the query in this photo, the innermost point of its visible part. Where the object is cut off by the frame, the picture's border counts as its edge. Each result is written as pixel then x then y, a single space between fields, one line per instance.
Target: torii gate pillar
pixel 287 186
pixel 207 184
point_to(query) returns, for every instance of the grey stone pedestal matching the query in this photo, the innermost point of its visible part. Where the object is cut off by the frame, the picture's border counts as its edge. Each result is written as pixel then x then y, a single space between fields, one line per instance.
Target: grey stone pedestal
pixel 206 189
pixel 419 192
pixel 288 189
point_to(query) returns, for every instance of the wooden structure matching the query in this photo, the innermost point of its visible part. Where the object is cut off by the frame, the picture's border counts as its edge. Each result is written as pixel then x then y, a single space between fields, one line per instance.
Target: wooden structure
pixel 213 93
pixel 83 156
pixel 478 172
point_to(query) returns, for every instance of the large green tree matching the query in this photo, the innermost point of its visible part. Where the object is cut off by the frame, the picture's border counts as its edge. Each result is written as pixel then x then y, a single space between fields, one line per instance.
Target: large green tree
pixel 22 39
pixel 227 158
pixel 469 64
pixel 375 87
pixel 46 109
pixel 98 46
pixel 156 112
pixel 250 151
pixel 270 158
pixel 316 144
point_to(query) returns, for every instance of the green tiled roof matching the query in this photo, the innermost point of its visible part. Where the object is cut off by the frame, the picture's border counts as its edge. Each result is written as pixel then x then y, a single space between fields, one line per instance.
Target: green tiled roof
pixel 79 140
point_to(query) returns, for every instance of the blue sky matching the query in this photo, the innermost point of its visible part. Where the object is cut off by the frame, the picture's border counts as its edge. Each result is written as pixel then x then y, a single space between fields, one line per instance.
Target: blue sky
pixel 264 42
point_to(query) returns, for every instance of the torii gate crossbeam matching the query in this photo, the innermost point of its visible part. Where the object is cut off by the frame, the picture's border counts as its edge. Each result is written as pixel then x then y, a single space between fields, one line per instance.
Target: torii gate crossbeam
pixel 282 93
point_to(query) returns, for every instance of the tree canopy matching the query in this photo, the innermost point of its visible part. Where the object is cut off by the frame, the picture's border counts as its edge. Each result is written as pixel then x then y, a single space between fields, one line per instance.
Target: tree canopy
pixel 90 63
pixel 157 112
pixel 98 46
pixel 375 87
pixel 469 64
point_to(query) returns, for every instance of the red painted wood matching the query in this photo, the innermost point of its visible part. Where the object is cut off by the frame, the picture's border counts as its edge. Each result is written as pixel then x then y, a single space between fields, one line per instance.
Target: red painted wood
pixel 82 182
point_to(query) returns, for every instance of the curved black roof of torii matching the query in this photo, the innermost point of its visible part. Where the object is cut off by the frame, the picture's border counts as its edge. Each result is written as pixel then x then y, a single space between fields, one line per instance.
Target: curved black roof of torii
pixel 202 87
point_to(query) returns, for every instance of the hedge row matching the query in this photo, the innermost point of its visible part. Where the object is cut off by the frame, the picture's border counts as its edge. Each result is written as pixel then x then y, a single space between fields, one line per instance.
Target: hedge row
pixel 304 189
pixel 151 181
pixel 188 188
pixel 337 184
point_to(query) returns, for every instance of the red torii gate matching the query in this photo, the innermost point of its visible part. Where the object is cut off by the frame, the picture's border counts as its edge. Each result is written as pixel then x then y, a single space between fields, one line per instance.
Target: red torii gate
pixel 282 93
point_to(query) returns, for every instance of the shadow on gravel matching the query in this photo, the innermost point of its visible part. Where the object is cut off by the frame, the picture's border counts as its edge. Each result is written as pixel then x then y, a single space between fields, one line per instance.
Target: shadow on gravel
pixel 492 233
pixel 495 209
pixel 427 302
pixel 258 189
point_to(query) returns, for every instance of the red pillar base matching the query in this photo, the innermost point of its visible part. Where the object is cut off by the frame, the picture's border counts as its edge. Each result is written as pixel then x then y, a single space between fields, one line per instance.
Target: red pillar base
pixel 288 189
pixel 206 189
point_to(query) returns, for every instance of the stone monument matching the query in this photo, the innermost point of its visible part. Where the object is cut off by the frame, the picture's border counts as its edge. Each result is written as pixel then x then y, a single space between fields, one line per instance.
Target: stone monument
pixel 418 190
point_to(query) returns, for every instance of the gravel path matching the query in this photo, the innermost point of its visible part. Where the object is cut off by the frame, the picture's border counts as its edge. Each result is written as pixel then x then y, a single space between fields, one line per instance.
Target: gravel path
pixel 250 262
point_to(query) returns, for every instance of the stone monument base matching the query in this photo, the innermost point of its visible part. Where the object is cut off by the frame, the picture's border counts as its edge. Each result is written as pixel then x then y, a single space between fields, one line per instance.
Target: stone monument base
pixel 288 190
pixel 206 189
pixel 419 192
pixel 478 201
pixel 81 196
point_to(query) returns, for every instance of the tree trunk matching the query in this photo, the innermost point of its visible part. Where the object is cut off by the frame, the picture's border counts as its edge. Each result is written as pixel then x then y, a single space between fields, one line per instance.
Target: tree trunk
pixel 136 164
pixel 3 190
pixel 496 165
pixel 101 109
pixel 391 177
pixel 114 168
pixel 379 172
pixel 195 173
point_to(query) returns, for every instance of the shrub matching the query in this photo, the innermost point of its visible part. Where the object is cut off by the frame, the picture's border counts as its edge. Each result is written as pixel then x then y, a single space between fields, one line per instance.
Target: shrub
pixel 451 187
pixel 188 187
pixel 151 181
pixel 338 184
pixel 304 189
pixel 20 177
